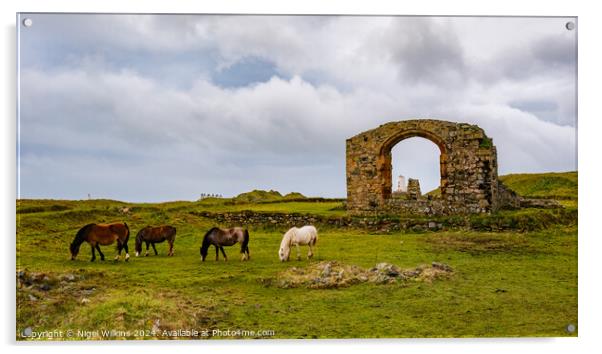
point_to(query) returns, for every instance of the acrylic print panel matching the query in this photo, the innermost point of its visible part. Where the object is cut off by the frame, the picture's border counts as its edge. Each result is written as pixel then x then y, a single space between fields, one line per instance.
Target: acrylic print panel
pixel 240 177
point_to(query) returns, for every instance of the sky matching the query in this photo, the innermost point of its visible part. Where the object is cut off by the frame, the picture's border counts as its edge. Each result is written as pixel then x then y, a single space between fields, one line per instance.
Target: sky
pixel 148 108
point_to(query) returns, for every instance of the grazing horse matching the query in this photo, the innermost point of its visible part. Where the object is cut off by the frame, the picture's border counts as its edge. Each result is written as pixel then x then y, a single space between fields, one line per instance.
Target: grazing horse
pixel 228 237
pixel 151 235
pixel 102 235
pixel 306 235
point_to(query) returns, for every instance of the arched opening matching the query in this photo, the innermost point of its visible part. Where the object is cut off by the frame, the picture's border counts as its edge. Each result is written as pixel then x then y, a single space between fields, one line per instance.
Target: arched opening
pixel 423 154
pixel 415 164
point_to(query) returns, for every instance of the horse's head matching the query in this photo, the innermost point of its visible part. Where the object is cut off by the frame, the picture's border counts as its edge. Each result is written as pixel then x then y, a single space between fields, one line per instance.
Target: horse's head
pixel 283 253
pixel 74 248
pixel 204 251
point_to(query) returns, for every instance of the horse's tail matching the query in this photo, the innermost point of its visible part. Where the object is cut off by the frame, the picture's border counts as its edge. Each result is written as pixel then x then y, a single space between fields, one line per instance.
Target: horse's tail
pixel 120 244
pixel 315 238
pixel 245 243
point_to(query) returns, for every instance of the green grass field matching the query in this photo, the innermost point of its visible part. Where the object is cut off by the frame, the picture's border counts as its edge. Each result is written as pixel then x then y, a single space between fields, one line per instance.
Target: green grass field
pixel 504 284
pixel 561 185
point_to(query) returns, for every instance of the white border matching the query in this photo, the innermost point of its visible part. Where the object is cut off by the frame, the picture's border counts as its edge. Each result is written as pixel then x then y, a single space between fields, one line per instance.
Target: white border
pixel 589 128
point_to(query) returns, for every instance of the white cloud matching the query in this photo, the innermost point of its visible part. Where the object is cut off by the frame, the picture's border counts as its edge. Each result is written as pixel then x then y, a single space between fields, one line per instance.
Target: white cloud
pixel 176 141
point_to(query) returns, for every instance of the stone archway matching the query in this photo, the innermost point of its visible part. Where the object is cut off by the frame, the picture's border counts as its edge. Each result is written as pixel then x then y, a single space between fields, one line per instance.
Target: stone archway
pixel 468 168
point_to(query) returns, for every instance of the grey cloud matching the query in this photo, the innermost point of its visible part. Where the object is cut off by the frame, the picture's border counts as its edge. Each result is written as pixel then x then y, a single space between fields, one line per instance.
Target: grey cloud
pixel 425 51
pixel 545 110
pixel 172 137
pixel 554 51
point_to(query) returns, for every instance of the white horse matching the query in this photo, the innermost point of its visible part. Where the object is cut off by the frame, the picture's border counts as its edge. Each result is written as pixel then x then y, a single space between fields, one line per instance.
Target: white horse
pixel 306 235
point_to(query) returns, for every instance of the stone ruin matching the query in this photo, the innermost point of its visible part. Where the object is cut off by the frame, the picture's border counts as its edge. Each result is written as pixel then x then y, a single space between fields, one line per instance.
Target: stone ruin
pixel 468 168
pixel 413 191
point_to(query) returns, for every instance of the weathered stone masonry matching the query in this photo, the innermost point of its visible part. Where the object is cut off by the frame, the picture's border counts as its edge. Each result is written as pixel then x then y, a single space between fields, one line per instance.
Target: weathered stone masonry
pixel 468 166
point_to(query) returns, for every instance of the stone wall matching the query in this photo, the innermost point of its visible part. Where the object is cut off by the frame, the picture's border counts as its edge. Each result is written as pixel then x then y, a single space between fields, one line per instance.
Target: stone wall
pixel 534 220
pixel 468 167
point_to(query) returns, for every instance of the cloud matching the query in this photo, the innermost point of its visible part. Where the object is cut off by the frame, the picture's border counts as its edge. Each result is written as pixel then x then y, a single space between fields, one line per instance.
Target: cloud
pixel 224 104
pixel 425 51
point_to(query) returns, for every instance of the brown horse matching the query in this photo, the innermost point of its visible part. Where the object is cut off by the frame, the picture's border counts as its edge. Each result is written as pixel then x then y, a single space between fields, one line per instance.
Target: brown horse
pixel 151 235
pixel 228 237
pixel 102 235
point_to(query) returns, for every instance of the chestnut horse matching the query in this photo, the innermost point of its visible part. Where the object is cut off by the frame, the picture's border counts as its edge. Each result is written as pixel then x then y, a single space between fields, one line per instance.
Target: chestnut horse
pixel 151 235
pixel 102 235
pixel 227 237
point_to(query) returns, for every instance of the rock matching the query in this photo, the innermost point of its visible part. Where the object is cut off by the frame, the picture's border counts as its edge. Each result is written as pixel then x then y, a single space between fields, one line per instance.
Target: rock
pixel 85 300
pixel 417 228
pixel 442 266
pixel 327 269
pixel 539 203
pixel 388 269
pixel 88 291
pixel 68 277
pixel 32 298
pixel 45 287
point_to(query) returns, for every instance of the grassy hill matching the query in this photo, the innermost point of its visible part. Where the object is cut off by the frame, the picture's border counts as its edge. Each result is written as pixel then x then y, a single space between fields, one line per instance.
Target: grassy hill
pixel 553 185
pixel 561 185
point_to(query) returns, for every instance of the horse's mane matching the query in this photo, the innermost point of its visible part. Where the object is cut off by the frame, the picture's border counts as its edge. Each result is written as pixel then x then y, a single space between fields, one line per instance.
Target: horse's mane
pixel 138 243
pixel 287 238
pixel 80 236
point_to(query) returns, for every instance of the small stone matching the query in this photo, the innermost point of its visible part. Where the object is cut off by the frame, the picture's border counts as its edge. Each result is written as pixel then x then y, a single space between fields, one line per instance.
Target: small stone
pixel 442 266
pixel 326 271
pixel 45 287
pixel 85 301
pixel 32 298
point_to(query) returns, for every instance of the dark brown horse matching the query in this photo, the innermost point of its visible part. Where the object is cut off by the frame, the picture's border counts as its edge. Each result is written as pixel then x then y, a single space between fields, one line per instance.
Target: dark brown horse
pixel 151 235
pixel 228 237
pixel 102 235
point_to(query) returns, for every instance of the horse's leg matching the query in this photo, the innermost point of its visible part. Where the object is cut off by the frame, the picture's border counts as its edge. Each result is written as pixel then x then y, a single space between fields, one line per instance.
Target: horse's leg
pixel 224 253
pixel 154 249
pixel 170 248
pixel 216 253
pixel 243 251
pixel 298 252
pixel 147 244
pixel 127 251
pixel 310 253
pixel 119 247
pixel 102 256
pixel 93 254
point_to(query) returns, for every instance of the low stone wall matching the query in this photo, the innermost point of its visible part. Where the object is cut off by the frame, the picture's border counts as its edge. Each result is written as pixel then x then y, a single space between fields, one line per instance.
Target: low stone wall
pixel 287 220
pixel 282 221
pixel 423 206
